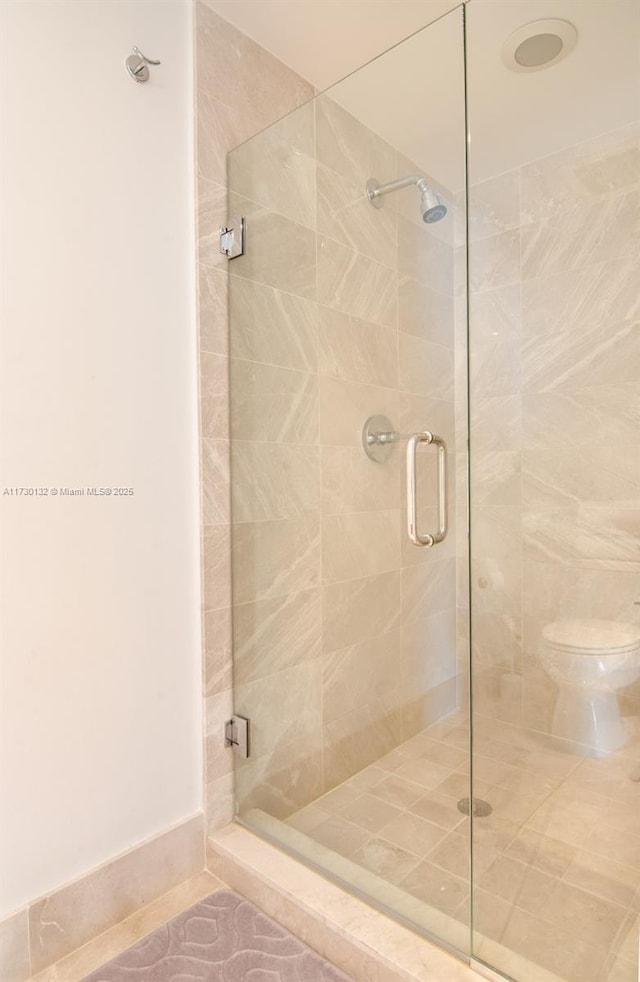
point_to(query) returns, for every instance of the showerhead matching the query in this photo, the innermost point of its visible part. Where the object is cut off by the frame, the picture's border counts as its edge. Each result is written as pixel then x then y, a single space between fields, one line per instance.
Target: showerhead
pixel 431 206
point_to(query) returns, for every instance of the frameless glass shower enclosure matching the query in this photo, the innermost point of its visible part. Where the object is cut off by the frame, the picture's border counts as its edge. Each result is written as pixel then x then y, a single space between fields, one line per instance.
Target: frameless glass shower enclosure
pixel 432 330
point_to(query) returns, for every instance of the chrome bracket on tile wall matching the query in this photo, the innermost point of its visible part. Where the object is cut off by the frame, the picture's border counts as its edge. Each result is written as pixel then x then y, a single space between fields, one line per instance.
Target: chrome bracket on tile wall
pixel 232 237
pixel 236 735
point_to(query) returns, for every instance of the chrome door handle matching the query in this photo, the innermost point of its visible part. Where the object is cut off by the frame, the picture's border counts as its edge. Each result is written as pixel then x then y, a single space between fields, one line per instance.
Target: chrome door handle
pixel 427 539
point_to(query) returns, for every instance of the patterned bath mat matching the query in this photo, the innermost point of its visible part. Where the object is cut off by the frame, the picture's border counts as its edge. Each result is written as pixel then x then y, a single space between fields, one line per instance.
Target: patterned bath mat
pixel 224 938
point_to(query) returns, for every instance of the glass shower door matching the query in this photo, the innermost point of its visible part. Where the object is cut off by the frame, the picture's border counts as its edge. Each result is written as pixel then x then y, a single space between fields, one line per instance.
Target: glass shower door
pixel 350 642
pixel 554 371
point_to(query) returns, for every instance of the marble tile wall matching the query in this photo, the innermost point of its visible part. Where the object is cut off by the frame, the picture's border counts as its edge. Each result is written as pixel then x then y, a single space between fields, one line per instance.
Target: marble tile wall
pixel 555 372
pixel 230 109
pixel 52 927
pixel 344 634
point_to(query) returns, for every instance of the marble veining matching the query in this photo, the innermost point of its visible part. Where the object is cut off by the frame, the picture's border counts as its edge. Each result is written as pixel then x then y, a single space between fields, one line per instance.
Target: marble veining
pixel 275 558
pixel 425 311
pixel 360 675
pixel 357 350
pixel 271 635
pixel 350 482
pixel 271 326
pixel 273 405
pixel 592 234
pixel 348 147
pixel 351 282
pixel 360 610
pixel 221 48
pixel 213 297
pixel 14 947
pixel 294 696
pixel 424 367
pixel 423 255
pixel 593 172
pixel 69 918
pixel 554 390
pixel 582 298
pixel 219 128
pixel 282 253
pixel 603 353
pixel 277 167
pixel 582 417
pixel 274 480
pixel 345 214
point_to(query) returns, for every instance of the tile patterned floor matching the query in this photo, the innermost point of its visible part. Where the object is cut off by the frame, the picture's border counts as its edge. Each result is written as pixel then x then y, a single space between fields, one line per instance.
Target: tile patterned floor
pixel 557 863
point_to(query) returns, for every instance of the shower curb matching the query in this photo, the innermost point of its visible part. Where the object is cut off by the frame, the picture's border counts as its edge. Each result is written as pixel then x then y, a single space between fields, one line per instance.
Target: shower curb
pixel 358 939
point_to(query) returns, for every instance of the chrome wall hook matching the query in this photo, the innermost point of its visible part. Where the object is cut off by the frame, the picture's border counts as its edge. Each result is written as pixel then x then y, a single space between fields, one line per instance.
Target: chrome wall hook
pixel 137 65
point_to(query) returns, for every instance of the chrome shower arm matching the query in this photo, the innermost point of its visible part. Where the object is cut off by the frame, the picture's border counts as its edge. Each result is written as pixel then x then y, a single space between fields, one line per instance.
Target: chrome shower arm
pixel 432 207
pixel 375 190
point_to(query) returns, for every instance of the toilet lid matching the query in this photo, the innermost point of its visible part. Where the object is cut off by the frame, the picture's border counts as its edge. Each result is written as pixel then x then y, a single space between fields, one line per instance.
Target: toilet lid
pixel 594 637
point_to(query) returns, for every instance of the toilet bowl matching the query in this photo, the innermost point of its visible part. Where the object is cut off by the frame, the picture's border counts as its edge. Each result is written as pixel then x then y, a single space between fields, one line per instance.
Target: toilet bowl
pixel 590 660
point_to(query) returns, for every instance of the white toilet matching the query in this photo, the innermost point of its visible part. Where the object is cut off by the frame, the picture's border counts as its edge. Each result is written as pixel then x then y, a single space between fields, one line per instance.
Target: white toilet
pixel 590 660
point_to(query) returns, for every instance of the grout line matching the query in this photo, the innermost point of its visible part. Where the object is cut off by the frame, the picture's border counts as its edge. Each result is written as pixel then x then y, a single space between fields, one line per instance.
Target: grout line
pixel 625 911
pixel 29 959
pixel 319 560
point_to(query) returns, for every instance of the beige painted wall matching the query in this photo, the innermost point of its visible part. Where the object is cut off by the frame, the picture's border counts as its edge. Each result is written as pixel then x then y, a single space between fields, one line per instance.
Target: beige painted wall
pixel 101 721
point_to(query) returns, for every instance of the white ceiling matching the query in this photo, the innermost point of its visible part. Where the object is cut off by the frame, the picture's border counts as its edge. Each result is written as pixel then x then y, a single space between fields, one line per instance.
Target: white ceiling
pixel 324 40
pixel 518 117
pixel 413 94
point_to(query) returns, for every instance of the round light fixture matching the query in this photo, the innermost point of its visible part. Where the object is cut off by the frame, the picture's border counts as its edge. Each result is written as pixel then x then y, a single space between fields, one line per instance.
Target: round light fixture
pixel 537 45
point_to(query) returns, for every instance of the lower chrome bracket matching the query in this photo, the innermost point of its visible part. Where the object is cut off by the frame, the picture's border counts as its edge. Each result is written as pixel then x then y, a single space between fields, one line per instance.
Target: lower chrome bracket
pixel 236 735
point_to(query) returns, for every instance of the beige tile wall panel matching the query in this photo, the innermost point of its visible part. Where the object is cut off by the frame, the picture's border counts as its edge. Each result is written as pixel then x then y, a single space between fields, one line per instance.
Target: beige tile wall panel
pixel 354 283
pixel 360 609
pixel 282 253
pixel 345 406
pixel 228 64
pixel 588 173
pixel 346 215
pixel 350 148
pixel 557 356
pixel 273 405
pixel 353 483
pixel 272 327
pixel 360 544
pixel 356 350
pixel 425 311
pixel 15 965
pixel 272 635
pixel 273 559
pixel 277 168
pixel 67 919
pixel 213 297
pixel 423 256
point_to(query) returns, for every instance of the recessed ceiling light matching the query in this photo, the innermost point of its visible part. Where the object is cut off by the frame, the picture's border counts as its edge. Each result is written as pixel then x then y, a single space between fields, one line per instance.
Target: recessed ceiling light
pixel 539 45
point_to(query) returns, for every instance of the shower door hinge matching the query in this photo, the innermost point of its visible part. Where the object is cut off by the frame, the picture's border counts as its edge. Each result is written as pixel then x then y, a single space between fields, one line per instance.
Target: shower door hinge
pixel 232 237
pixel 236 735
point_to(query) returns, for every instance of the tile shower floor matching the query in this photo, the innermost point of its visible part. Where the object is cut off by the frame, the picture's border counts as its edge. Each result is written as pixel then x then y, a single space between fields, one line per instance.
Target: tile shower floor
pixel 557 862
